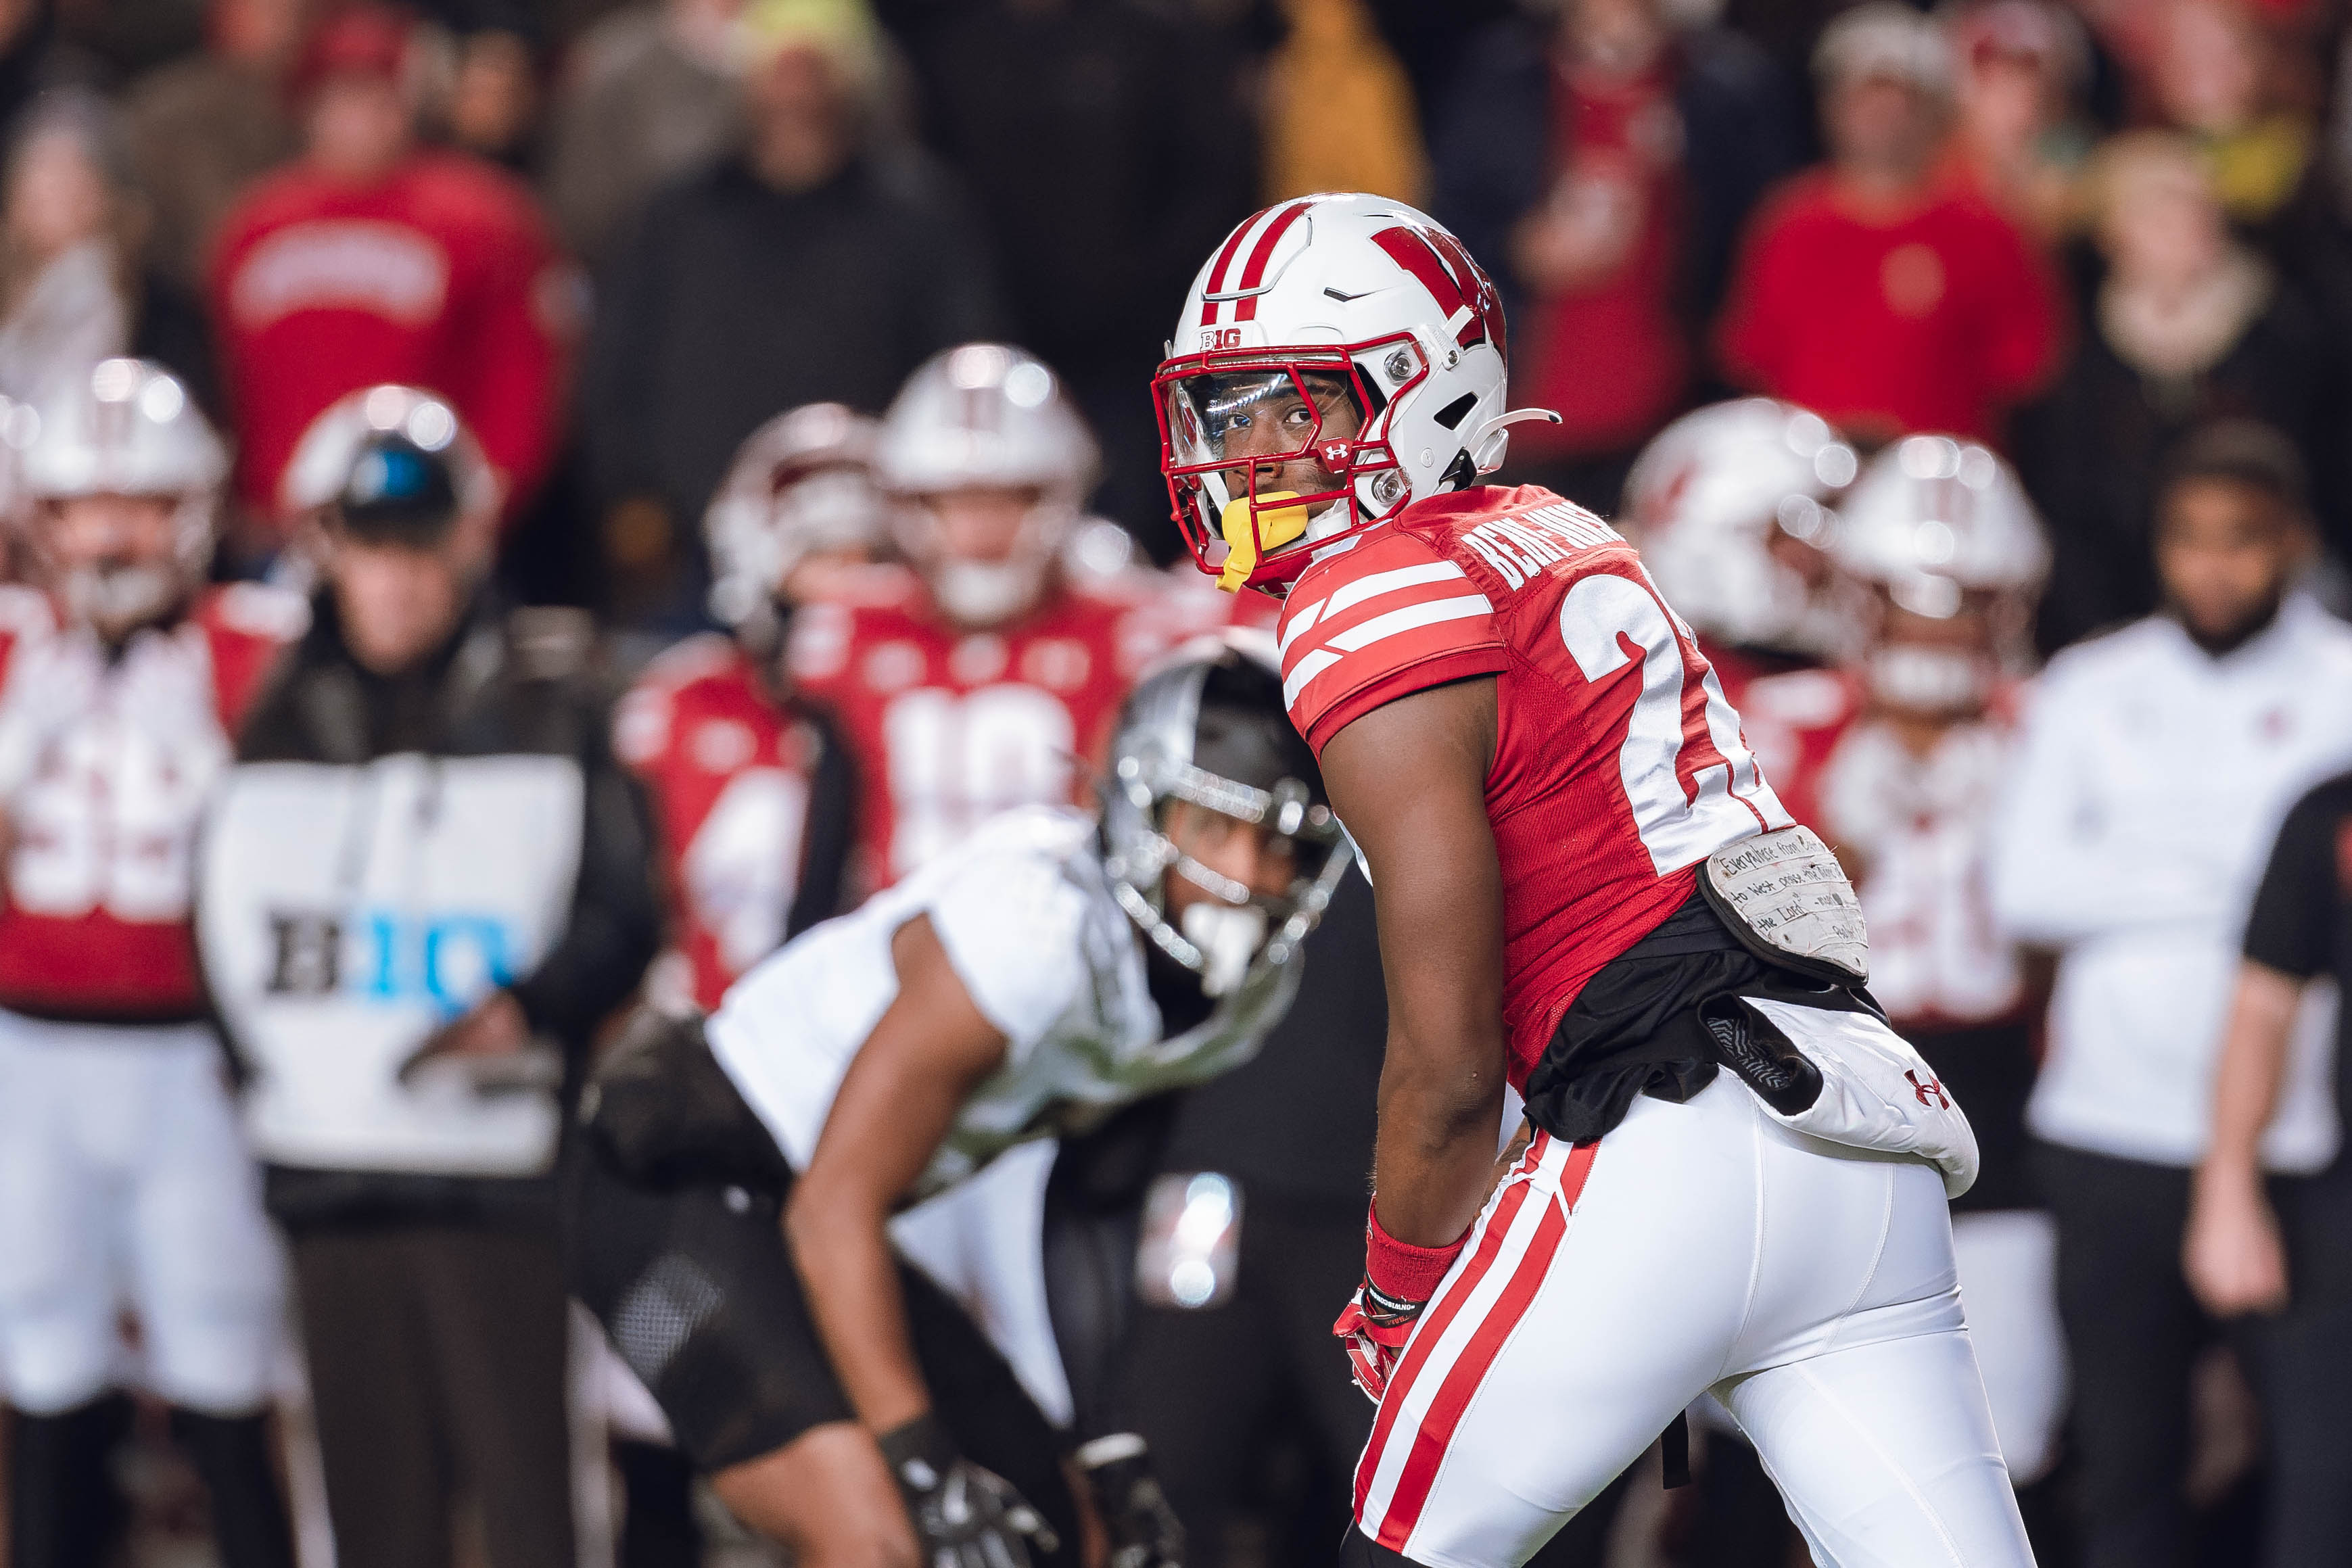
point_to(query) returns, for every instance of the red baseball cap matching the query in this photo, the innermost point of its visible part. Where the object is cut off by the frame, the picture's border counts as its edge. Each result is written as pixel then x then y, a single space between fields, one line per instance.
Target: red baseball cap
pixel 362 39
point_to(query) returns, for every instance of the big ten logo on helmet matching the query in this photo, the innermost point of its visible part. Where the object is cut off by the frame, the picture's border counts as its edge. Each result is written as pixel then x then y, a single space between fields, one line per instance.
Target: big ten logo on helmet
pixel 1216 337
pixel 390 957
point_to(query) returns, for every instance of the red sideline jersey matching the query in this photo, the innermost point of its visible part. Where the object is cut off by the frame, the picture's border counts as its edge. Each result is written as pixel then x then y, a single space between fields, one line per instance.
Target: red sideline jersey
pixel 1915 832
pixel 951 726
pixel 1619 766
pixel 731 778
pixel 442 276
pixel 110 762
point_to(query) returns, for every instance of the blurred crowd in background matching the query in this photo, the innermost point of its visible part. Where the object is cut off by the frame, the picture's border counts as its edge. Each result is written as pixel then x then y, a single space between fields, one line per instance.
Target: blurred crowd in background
pixel 2089 262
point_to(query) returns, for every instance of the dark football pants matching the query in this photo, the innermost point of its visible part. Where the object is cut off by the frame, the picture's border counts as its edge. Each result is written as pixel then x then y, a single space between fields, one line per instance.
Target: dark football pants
pixel 2133 1332
pixel 436 1356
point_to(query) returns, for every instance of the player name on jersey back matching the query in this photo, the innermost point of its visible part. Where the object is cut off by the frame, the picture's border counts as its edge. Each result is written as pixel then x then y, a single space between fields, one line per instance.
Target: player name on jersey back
pixel 1619 766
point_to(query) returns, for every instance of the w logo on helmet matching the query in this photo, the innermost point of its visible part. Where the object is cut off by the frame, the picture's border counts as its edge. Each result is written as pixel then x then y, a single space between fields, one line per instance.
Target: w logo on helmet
pixel 1459 284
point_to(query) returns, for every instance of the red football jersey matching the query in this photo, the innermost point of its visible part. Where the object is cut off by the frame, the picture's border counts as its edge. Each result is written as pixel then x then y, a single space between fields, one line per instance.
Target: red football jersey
pixel 951 726
pixel 1915 832
pixel 110 763
pixel 442 275
pixel 731 777
pixel 1619 766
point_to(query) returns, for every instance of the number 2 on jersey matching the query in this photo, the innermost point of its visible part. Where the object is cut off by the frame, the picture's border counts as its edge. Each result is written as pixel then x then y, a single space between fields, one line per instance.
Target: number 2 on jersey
pixel 1689 777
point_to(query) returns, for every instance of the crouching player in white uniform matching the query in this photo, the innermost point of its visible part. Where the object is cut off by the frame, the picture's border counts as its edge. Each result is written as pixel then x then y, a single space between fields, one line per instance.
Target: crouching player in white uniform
pixel 123 1180
pixel 1899 759
pixel 1026 985
pixel 1584 889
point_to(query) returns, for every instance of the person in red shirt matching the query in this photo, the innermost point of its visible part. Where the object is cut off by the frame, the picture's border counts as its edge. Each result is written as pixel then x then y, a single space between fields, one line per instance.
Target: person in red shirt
pixel 1883 295
pixel 751 787
pixel 373 260
pixel 124 1182
pixel 989 674
pixel 1580 872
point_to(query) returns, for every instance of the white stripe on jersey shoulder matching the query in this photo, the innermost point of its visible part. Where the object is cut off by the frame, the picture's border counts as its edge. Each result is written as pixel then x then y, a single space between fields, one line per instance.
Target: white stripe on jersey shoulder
pixel 1348 595
pixel 1411 618
pixel 1355 639
pixel 1314 664
pixel 1395 580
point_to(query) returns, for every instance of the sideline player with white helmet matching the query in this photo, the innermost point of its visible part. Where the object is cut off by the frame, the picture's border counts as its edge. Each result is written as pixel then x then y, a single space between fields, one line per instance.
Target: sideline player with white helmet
pixel 1729 506
pixel 1026 985
pixel 1899 759
pixel 124 1179
pixel 984 677
pixel 1576 862
pixel 752 786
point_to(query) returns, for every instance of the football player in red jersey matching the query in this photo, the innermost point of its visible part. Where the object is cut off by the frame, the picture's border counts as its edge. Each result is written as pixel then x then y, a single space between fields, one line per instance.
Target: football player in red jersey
pixel 1898 759
pixel 988 675
pixel 751 787
pixel 1586 889
pixel 1728 507
pixel 124 1179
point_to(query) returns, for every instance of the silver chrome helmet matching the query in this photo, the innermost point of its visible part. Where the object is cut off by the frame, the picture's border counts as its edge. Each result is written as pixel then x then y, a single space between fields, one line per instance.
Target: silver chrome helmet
pixel 126 427
pixel 1207 725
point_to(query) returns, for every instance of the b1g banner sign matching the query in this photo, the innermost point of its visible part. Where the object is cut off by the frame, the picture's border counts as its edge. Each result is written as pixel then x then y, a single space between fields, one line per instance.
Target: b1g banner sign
pixel 345 913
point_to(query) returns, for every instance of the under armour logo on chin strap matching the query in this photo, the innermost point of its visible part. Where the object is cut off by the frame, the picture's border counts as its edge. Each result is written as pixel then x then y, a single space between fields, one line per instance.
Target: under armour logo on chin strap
pixel 1931 1094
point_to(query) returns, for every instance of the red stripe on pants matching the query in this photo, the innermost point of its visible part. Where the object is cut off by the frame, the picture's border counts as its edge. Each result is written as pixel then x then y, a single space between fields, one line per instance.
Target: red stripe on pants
pixel 1440 1314
pixel 1470 1368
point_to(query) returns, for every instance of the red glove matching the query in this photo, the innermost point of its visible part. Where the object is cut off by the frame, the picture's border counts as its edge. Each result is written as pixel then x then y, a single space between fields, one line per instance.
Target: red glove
pixel 1399 1279
pixel 1373 1328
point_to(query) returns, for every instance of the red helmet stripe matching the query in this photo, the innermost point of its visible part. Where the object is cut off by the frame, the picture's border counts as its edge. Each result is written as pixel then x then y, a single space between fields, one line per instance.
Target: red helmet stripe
pixel 1254 274
pixel 1417 253
pixel 1225 263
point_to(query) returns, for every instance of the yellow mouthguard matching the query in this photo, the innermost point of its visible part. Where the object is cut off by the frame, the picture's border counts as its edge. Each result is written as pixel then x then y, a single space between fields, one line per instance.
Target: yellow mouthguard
pixel 1276 527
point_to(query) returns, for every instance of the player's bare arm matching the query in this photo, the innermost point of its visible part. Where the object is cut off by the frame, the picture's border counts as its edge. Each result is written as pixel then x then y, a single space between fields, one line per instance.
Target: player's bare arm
pixel 900 1096
pixel 1409 779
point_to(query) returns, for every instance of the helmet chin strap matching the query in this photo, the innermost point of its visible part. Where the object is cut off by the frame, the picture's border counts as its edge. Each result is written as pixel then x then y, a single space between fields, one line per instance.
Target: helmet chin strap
pixel 1927 680
pixel 1228 937
pixel 986 593
pixel 117 601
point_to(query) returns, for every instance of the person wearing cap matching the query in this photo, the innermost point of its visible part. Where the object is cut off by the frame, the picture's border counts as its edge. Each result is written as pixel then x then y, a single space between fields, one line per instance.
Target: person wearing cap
pixel 813 264
pixel 1874 290
pixel 374 258
pixel 2155 767
pixel 423 884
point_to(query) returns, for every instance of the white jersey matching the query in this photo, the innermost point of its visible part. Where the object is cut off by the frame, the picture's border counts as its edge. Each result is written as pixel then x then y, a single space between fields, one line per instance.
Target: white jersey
pixel 1029 923
pixel 2151 782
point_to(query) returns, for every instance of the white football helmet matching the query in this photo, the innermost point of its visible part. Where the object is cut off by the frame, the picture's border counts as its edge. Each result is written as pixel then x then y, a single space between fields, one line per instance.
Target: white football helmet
pixel 985 416
pixel 1706 497
pixel 1339 357
pixel 1936 524
pixel 126 428
pixel 801 485
pixel 321 463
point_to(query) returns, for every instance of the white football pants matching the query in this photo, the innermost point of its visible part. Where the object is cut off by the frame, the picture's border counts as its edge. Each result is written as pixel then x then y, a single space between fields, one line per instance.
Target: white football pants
pixel 1697 1247
pixel 124 1180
